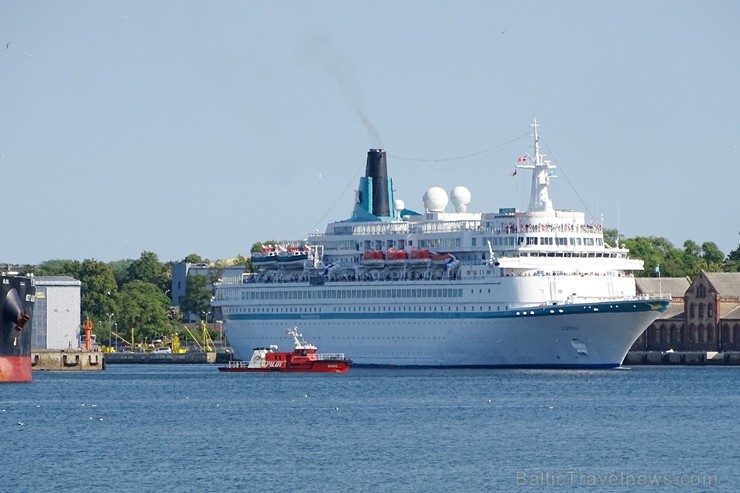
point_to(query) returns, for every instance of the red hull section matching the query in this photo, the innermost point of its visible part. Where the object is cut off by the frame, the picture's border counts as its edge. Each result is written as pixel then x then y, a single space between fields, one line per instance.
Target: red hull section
pixel 15 368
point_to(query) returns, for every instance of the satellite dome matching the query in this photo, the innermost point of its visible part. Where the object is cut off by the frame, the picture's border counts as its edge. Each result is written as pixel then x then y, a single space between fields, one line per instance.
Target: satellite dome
pixel 399 205
pixel 460 198
pixel 435 200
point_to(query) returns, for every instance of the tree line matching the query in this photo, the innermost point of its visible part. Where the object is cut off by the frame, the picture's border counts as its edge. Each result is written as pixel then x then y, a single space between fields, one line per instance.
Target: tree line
pixel 132 294
pixel 126 294
pixel 661 257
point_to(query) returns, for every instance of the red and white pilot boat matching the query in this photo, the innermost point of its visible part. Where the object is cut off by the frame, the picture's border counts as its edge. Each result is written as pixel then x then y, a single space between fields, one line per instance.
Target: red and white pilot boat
pixel 304 358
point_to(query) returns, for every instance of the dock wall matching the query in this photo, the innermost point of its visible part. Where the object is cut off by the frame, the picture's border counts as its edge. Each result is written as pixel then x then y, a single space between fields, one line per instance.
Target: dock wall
pixel 80 360
pixel 67 360
pixel 161 358
pixel 696 358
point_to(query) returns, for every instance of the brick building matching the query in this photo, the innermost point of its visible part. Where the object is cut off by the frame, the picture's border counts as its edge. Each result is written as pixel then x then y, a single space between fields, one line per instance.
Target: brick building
pixel 706 317
pixel 657 337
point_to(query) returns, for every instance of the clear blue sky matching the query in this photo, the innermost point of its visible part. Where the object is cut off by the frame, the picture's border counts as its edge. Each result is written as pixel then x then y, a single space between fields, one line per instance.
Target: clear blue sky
pixel 183 127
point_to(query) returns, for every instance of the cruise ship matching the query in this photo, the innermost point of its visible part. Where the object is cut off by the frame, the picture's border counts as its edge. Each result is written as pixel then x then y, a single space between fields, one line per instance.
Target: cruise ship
pixel 393 287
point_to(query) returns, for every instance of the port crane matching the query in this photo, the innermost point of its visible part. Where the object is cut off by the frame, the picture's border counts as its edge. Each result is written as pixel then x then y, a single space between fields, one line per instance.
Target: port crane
pixel 207 344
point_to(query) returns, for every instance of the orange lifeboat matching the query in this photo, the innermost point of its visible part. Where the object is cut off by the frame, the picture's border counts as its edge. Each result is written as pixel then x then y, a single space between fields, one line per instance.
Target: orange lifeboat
pixel 373 258
pixel 394 254
pixel 420 254
pixel 441 258
pixel 373 255
pixel 420 257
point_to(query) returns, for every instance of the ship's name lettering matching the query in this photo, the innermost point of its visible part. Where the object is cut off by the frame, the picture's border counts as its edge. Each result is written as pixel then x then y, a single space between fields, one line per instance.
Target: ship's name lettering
pixel 568 327
pixel 273 364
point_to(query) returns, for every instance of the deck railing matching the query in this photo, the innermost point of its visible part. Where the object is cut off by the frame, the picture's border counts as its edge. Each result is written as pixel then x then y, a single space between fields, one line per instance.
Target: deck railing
pixel 326 356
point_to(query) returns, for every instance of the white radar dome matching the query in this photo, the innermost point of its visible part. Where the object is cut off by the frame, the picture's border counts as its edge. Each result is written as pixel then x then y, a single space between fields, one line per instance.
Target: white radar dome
pixel 460 198
pixel 399 205
pixel 435 199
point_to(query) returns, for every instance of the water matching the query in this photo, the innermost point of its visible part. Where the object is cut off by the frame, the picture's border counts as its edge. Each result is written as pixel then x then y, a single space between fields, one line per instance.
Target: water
pixel 190 428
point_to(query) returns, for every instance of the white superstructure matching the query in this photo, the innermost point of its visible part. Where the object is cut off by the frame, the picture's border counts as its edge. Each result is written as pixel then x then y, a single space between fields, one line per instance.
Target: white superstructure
pixel 390 286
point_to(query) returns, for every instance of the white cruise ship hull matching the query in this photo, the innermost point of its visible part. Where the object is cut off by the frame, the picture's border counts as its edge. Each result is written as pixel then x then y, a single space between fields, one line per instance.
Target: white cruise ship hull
pixel 594 335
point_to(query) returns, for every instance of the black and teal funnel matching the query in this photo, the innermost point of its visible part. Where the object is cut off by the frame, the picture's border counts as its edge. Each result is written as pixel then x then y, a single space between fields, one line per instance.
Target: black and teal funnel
pixel 374 198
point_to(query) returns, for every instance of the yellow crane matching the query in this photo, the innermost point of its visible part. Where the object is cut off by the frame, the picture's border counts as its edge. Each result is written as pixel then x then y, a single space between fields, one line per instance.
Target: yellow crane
pixel 130 343
pixel 207 341
pixel 205 338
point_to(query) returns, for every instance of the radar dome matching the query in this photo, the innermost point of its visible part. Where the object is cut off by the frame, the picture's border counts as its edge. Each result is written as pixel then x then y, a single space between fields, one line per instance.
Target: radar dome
pixel 435 200
pixel 460 198
pixel 399 205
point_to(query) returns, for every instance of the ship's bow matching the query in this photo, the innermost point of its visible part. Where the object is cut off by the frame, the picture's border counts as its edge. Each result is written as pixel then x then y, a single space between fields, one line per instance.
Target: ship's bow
pixel 16 299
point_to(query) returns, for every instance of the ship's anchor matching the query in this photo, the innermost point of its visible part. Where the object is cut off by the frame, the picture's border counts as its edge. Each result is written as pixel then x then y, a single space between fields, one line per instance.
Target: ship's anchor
pixel 21 322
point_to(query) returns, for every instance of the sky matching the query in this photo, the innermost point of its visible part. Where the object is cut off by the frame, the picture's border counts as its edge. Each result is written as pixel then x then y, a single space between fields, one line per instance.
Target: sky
pixel 181 127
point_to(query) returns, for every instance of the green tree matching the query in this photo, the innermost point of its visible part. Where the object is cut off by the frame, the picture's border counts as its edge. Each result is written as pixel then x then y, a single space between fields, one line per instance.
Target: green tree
pixel 692 258
pixel 120 269
pixel 99 295
pixel 144 307
pixel 197 298
pixel 612 237
pixel 732 263
pixel 149 269
pixel 712 254
pixel 194 259
pixel 646 248
pixel 60 267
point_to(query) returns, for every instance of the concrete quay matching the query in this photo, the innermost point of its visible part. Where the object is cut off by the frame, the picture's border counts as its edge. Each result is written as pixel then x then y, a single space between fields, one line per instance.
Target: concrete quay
pixel 163 358
pixel 67 360
pixel 696 358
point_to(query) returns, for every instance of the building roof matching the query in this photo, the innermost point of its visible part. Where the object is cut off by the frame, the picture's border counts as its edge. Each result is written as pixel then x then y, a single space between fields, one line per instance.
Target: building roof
pixel 56 281
pixel 673 312
pixel 726 284
pixel 675 286
pixel 733 314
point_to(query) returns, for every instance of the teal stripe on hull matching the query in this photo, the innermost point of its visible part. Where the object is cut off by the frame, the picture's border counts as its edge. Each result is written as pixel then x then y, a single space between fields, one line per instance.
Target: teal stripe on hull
pixel 546 311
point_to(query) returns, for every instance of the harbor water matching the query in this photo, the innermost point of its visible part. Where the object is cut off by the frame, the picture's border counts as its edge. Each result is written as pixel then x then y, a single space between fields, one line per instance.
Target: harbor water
pixel 149 428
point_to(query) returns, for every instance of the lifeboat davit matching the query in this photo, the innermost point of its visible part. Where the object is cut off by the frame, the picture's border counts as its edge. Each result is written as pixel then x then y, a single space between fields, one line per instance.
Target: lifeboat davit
pixel 304 358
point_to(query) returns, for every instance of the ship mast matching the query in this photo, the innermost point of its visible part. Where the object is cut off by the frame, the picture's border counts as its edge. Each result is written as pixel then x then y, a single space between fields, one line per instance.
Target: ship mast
pixel 539 198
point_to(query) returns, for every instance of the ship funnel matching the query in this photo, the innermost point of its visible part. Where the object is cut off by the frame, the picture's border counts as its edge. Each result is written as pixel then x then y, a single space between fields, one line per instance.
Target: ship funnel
pixel 377 169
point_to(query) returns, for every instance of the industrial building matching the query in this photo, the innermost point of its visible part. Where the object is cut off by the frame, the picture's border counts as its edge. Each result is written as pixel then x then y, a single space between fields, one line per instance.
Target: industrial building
pixel 181 271
pixel 55 323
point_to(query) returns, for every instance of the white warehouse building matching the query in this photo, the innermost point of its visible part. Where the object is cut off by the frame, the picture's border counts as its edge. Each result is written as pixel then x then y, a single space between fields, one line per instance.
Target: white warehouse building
pixel 55 323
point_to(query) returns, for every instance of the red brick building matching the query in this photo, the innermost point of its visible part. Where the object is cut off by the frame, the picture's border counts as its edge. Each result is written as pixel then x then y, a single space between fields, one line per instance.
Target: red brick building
pixel 705 317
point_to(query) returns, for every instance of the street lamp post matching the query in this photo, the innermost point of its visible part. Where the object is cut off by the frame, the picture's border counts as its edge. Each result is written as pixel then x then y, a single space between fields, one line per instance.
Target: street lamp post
pixel 110 330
